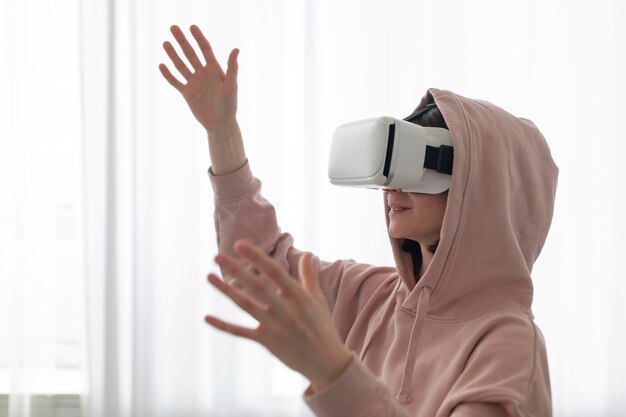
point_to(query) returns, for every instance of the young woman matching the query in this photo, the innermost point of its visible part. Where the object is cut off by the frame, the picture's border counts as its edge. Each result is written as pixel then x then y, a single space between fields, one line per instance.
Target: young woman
pixel 449 331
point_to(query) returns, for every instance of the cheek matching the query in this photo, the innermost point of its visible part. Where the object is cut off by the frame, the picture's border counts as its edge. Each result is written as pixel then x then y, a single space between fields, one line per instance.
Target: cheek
pixel 405 225
pixel 416 223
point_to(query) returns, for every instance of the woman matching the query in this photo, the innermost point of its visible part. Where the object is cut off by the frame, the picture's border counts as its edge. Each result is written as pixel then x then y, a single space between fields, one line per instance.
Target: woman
pixel 449 331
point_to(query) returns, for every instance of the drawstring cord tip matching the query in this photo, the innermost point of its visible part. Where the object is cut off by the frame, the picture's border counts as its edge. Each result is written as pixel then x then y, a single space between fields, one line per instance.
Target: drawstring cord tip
pixel 403 397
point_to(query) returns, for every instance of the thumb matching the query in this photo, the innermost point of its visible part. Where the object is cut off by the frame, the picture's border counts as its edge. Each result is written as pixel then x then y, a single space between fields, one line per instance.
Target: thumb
pixel 233 66
pixel 309 276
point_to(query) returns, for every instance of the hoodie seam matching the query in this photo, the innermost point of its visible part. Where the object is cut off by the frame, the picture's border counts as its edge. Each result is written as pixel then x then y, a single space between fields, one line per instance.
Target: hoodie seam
pixel 245 195
pixel 498 397
pixel 534 367
pixel 341 274
pixel 433 319
pixel 256 227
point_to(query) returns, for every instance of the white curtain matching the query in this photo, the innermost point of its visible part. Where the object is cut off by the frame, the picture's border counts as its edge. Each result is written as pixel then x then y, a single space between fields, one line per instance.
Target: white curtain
pixel 42 263
pixel 106 210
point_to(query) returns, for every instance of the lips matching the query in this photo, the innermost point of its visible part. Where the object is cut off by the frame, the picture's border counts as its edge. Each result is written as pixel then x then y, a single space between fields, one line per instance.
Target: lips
pixel 395 208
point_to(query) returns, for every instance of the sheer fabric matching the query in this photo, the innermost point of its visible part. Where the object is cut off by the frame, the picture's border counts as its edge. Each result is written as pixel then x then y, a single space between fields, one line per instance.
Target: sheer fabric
pixel 106 228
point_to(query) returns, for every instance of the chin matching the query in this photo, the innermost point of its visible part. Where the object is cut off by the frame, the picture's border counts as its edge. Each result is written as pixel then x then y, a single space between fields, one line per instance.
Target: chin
pixel 393 233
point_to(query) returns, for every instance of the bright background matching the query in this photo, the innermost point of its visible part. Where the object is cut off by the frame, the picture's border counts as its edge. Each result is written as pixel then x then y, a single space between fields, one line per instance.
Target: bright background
pixel 106 210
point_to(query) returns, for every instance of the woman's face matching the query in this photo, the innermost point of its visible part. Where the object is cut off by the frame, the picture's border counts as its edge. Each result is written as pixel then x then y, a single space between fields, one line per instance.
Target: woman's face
pixel 416 216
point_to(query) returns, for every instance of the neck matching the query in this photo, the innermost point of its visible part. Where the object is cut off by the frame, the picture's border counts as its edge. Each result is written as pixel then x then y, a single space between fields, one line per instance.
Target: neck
pixel 426 258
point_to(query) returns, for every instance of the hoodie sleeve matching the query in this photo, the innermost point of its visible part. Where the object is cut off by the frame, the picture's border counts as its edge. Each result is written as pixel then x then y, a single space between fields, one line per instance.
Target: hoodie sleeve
pixel 242 212
pixel 355 393
pixel 506 376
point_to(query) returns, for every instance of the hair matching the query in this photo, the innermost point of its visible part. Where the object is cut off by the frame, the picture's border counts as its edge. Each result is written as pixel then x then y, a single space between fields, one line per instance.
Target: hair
pixel 430 118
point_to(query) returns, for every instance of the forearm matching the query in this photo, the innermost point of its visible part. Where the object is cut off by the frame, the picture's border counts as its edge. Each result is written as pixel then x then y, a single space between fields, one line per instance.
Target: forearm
pixel 226 148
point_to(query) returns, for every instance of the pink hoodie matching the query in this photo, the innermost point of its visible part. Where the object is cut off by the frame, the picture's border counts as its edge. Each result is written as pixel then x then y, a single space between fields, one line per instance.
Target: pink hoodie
pixel 462 342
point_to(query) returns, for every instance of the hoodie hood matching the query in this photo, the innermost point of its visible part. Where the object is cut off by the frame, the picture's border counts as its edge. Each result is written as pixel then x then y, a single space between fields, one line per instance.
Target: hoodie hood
pixel 498 213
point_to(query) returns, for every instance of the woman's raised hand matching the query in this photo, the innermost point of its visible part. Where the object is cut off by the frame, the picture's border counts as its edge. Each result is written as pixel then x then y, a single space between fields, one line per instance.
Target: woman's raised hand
pixel 210 94
pixel 295 323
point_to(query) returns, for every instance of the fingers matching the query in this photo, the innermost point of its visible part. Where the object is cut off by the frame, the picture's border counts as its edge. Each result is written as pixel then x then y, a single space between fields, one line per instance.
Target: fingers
pixel 256 310
pixel 308 275
pixel 205 46
pixel 186 47
pixel 170 78
pixel 257 284
pixel 267 265
pixel 233 66
pixel 232 328
pixel 178 63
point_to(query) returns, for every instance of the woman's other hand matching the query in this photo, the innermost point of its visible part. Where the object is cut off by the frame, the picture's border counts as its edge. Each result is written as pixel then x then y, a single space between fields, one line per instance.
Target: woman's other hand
pixel 295 323
pixel 210 94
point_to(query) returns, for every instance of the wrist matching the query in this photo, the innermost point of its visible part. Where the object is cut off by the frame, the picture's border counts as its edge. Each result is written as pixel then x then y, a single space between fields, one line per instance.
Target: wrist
pixel 226 148
pixel 320 382
pixel 225 128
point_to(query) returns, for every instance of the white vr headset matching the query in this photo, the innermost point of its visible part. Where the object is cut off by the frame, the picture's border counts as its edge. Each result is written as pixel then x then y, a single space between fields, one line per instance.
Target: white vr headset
pixel 388 153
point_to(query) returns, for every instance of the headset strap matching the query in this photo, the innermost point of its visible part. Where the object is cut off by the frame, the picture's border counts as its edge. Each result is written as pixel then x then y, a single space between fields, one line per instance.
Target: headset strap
pixel 439 158
pixel 418 113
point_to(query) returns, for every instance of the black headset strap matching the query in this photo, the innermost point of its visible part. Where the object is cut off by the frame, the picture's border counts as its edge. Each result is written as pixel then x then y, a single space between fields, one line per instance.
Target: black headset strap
pixel 417 114
pixel 439 158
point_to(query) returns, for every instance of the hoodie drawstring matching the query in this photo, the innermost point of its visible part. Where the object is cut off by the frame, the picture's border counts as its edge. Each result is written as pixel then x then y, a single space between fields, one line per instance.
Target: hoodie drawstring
pixel 404 395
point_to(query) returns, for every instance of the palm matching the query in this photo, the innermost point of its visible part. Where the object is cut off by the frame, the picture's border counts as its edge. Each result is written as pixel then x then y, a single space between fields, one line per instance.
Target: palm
pixel 210 94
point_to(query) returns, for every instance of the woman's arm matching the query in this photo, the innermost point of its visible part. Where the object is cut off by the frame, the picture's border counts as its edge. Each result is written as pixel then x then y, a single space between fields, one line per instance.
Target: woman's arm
pixel 241 212
pixel 212 97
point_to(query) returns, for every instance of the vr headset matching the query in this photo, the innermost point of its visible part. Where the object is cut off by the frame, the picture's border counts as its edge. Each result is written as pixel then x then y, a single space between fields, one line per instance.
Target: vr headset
pixel 388 153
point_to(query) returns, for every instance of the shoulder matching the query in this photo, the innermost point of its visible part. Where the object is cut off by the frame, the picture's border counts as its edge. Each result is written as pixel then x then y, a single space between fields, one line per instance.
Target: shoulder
pixel 507 359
